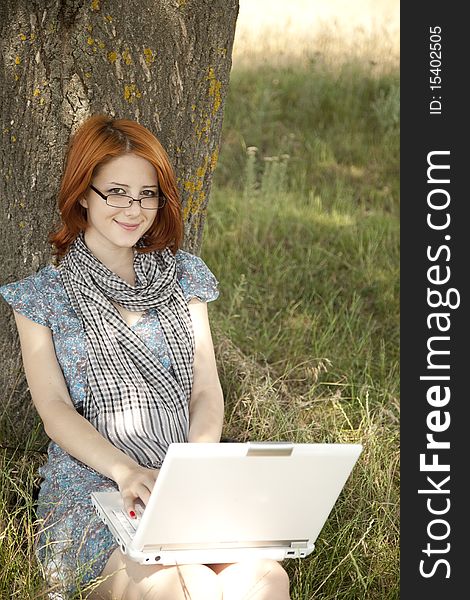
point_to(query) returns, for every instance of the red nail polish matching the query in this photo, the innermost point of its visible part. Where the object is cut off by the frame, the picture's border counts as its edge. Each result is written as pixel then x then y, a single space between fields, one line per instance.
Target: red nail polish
pixel 132 514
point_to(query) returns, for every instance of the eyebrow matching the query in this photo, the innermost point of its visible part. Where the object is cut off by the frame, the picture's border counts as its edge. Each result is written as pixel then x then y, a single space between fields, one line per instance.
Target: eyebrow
pixel 126 185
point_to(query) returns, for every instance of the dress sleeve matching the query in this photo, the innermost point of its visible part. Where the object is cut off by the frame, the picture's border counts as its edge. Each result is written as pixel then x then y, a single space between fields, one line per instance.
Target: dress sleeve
pixel 195 278
pixel 24 297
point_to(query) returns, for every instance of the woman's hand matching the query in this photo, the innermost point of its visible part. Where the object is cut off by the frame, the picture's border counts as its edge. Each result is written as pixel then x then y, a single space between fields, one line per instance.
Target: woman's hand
pixel 136 483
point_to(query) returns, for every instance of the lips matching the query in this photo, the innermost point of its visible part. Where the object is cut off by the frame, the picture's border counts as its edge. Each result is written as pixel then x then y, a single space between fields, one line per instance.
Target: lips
pixel 128 226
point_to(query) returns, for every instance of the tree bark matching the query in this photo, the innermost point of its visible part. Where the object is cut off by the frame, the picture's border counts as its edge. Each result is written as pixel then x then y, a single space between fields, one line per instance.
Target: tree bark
pixel 164 63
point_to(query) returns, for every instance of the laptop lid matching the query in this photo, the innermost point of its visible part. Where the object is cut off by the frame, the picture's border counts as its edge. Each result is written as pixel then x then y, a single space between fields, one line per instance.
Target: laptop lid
pixel 244 494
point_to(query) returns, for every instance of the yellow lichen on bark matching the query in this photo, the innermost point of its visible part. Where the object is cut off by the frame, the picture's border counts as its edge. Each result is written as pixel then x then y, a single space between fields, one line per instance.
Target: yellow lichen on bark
pixel 149 57
pixel 131 92
pixel 214 159
pixel 202 170
pixel 95 5
pixel 204 128
pixel 194 204
pixel 188 186
pixel 196 195
pixel 214 90
pixel 112 57
pixel 126 55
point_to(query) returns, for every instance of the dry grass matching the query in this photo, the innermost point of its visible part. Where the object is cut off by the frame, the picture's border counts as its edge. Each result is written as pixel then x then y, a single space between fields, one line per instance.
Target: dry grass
pixel 330 31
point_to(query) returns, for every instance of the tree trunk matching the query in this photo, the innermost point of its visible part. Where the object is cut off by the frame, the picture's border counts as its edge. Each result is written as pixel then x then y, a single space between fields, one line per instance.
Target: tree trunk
pixel 165 63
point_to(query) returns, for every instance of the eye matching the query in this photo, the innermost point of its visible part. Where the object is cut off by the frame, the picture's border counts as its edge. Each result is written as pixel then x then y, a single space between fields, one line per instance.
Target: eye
pixel 149 193
pixel 117 191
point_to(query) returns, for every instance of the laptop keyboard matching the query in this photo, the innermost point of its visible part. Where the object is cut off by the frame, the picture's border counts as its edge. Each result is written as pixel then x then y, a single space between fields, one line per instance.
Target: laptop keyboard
pixel 130 525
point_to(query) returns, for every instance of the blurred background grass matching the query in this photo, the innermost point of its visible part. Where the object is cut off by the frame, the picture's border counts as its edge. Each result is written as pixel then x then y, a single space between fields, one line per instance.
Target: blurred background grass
pixel 302 232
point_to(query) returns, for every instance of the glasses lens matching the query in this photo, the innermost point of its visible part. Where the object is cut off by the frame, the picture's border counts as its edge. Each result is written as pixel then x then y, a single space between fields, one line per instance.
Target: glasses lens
pixel 119 201
pixel 153 202
pixel 146 202
pixel 149 202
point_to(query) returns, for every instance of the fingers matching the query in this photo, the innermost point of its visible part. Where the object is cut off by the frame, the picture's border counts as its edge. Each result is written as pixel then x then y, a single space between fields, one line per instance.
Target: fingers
pixel 137 487
pixel 129 504
pixel 142 494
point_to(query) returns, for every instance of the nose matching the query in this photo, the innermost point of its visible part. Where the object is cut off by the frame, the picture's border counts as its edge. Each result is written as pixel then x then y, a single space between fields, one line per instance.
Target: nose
pixel 133 209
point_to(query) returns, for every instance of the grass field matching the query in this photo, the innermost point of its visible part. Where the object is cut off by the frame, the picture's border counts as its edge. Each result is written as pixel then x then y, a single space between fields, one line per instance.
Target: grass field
pixel 303 232
pixel 303 235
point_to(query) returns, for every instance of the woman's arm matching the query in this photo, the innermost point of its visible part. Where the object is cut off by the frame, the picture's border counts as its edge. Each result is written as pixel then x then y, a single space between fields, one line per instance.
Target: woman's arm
pixel 65 426
pixel 206 409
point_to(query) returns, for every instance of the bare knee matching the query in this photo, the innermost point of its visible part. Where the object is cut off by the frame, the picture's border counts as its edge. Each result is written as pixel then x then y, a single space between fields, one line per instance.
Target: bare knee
pixel 271 579
pixel 259 579
pixel 123 579
pixel 196 582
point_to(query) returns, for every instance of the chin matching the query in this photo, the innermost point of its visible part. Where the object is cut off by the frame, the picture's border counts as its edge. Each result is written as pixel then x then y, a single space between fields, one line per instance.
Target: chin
pixel 127 239
pixel 129 242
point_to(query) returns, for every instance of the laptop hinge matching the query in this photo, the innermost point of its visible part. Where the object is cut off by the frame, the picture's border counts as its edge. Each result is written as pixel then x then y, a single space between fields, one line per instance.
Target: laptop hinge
pixel 270 449
pixel 299 544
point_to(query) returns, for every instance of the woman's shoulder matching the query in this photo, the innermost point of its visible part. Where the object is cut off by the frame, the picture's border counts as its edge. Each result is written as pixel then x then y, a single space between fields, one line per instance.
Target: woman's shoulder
pixel 32 284
pixel 48 275
pixel 31 295
pixel 195 277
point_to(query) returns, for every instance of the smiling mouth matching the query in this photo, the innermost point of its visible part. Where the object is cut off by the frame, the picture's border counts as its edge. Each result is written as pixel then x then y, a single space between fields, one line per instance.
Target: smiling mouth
pixel 128 226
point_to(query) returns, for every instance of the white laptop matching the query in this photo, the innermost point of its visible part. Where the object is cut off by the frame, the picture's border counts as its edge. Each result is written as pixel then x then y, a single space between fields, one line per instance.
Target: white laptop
pixel 227 502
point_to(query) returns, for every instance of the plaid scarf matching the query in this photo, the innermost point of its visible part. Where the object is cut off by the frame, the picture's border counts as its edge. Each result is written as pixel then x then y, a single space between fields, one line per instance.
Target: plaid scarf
pixel 132 399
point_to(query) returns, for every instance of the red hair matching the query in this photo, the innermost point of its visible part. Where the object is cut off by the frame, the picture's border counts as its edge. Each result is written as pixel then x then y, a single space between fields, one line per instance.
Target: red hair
pixel 98 140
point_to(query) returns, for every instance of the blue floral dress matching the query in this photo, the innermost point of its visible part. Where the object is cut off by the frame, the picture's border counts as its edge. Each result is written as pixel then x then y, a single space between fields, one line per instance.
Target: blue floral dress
pixel 73 544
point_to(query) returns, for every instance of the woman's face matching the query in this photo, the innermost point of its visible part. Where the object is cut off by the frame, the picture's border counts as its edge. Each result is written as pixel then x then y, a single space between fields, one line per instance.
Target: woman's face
pixel 110 228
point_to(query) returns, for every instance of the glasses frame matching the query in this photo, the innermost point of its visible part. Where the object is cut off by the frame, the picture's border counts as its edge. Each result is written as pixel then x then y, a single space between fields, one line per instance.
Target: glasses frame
pixel 161 199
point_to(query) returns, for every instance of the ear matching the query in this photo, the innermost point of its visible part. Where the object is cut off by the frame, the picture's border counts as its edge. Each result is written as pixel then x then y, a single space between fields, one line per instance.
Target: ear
pixel 83 201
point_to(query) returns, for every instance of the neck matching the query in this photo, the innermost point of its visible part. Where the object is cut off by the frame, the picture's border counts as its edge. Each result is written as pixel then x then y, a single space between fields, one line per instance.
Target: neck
pixel 118 260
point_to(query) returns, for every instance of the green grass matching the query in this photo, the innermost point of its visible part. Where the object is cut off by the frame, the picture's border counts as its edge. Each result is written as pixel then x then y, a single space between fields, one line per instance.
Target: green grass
pixel 338 127
pixel 20 577
pixel 302 232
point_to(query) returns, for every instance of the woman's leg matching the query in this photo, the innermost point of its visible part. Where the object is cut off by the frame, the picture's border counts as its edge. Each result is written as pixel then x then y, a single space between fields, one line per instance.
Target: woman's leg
pixel 124 579
pixel 253 580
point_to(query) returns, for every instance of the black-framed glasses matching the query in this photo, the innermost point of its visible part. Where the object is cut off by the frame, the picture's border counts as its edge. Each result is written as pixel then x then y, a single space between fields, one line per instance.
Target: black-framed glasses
pixel 153 202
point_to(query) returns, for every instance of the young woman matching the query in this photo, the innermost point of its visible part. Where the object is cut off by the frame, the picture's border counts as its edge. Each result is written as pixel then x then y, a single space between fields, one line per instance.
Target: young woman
pixel 119 360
